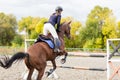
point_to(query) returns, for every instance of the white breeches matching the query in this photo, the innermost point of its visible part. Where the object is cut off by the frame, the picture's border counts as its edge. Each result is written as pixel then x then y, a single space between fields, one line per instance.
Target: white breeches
pixel 49 28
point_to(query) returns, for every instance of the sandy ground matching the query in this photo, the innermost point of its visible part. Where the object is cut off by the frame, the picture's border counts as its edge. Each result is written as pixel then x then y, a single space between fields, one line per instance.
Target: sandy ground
pixel 15 72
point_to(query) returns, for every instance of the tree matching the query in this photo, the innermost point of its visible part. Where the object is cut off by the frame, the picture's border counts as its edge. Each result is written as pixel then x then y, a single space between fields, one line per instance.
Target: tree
pixel 17 41
pixel 32 25
pixel 8 25
pixel 100 25
pixel 40 24
pixel 118 29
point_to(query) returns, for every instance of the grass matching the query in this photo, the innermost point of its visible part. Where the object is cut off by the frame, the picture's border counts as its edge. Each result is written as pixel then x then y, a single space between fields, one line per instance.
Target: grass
pixel 10 50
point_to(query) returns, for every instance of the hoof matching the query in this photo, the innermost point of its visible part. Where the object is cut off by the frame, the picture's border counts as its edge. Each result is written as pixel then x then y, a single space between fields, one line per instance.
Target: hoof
pixel 63 61
pixel 47 73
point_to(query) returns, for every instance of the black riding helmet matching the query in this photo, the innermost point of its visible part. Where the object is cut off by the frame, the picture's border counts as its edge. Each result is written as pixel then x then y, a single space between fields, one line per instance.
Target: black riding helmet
pixel 59 8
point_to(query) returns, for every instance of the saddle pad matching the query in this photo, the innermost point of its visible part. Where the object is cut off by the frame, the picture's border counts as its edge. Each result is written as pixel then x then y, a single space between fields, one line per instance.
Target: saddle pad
pixel 50 43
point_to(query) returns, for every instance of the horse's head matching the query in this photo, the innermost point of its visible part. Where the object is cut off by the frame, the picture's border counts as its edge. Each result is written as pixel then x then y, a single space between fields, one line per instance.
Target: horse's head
pixel 65 28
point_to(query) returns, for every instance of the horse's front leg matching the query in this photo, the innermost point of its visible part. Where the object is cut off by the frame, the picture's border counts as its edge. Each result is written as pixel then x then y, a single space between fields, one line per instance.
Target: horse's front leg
pixel 63 60
pixel 52 70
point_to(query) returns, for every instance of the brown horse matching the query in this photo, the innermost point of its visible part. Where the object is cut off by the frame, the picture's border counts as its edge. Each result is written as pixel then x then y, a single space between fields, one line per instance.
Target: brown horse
pixel 38 54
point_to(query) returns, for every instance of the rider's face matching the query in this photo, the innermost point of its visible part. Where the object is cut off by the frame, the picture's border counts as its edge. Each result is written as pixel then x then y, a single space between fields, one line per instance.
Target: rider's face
pixel 59 12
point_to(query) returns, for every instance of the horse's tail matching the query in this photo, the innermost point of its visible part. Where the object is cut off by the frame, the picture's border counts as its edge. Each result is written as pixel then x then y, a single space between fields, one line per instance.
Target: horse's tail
pixel 6 62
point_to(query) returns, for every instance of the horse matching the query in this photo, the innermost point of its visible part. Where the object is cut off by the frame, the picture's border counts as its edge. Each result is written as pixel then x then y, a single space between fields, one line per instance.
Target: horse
pixel 39 53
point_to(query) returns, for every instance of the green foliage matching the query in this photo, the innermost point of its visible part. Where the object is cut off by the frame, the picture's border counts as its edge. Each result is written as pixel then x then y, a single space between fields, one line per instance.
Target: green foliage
pixel 25 23
pixel 33 35
pixel 40 24
pixel 17 41
pixel 89 44
pixel 100 25
pixel 8 25
pixel 33 26
pixel 28 24
pixel 118 29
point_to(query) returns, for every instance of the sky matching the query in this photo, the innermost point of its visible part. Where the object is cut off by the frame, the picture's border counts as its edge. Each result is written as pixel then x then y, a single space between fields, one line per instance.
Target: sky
pixel 78 9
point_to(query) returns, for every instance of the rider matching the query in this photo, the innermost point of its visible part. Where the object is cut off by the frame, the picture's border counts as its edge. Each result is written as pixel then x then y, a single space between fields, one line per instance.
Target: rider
pixel 54 19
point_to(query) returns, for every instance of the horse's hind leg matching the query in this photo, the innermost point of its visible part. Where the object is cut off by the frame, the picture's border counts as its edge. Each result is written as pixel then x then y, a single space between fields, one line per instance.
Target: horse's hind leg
pixel 30 73
pixel 30 68
pixel 40 74
pixel 41 71
pixel 41 68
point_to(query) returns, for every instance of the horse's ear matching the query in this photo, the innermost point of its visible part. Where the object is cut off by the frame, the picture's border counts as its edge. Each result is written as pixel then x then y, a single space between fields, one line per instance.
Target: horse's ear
pixel 69 22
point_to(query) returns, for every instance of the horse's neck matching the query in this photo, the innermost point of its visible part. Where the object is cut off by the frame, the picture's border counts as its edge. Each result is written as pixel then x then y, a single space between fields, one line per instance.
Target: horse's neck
pixel 61 35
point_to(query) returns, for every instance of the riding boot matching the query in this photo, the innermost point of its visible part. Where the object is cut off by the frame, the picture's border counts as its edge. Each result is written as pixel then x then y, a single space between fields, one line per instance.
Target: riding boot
pixel 58 29
pixel 56 49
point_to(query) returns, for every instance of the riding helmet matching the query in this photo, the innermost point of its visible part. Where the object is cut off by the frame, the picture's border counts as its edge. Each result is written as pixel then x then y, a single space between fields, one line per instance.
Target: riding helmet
pixel 59 8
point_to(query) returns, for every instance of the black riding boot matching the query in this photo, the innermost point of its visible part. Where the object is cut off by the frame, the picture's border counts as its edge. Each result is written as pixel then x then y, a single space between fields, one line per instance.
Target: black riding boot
pixel 58 29
pixel 56 49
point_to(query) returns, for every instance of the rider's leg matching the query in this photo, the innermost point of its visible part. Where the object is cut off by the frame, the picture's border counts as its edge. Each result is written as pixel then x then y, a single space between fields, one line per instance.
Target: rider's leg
pixel 45 30
pixel 56 49
pixel 51 29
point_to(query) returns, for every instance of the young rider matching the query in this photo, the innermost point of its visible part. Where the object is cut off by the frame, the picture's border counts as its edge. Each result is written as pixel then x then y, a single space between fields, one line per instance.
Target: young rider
pixel 54 19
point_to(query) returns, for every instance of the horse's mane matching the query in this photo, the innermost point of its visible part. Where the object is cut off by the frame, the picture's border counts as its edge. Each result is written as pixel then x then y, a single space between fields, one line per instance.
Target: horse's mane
pixel 62 23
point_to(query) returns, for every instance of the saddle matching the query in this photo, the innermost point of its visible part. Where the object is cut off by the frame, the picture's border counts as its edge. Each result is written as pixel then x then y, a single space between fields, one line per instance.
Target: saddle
pixel 48 40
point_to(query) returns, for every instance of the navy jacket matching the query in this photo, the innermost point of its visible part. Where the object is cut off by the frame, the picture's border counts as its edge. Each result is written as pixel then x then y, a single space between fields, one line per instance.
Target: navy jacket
pixel 55 19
